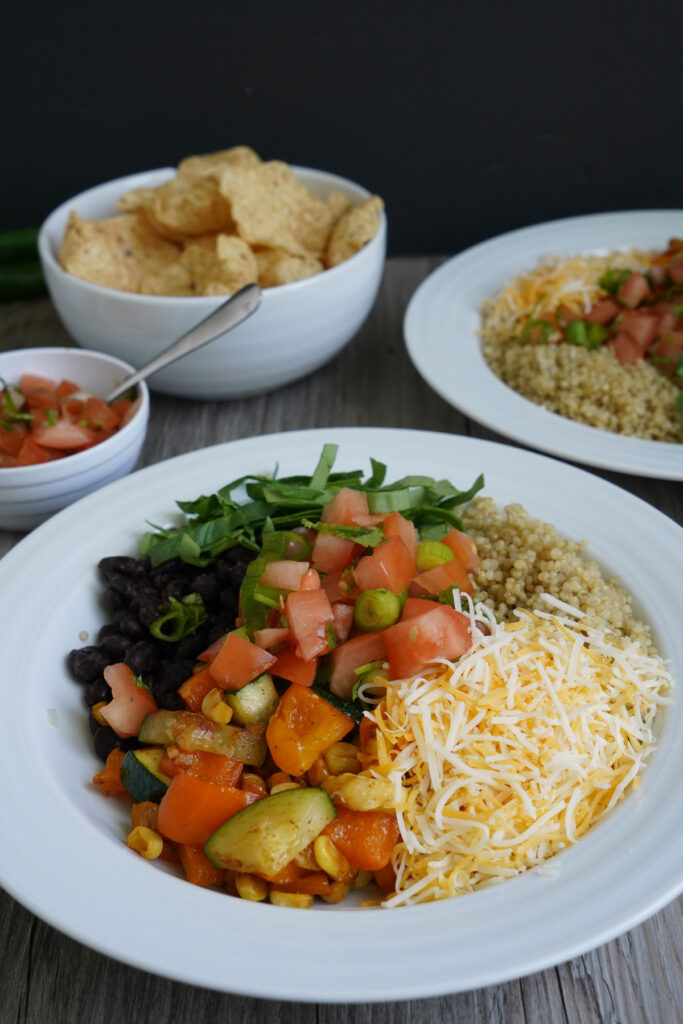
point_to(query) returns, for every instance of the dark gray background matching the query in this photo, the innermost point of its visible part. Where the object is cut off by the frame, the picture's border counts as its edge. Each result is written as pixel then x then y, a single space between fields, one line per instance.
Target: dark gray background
pixel 469 118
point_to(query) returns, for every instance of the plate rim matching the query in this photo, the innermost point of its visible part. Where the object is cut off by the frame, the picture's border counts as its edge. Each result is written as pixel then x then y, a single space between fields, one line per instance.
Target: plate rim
pixel 364 436
pixel 583 444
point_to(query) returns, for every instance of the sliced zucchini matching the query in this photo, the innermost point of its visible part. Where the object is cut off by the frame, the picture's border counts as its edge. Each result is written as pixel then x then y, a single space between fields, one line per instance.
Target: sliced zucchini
pixel 266 835
pixel 255 702
pixel 191 731
pixel 141 776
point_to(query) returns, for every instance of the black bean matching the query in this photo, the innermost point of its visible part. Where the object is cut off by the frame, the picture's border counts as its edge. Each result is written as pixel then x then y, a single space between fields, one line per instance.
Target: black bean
pixel 96 692
pixel 87 664
pixel 115 601
pixel 206 585
pixel 125 585
pixel 148 611
pixel 170 701
pixel 173 674
pixel 190 646
pixel 93 723
pixel 175 588
pixel 104 741
pixel 130 626
pixel 142 657
pixel 122 565
pixel 115 646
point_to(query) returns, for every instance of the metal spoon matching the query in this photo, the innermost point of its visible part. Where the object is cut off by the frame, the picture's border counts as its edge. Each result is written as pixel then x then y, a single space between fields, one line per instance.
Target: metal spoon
pixel 238 307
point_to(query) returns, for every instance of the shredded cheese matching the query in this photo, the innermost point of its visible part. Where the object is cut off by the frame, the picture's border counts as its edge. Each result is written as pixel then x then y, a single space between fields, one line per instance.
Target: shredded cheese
pixel 502 759
pixel 554 282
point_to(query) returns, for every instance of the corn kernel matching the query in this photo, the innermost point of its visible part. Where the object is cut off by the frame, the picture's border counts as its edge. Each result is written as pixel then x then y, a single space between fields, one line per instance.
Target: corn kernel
pixel 251 887
pixel 253 783
pixel 282 786
pixel 97 712
pixel 362 879
pixel 172 751
pixel 306 859
pixel 338 891
pixel 291 899
pixel 277 777
pixel 331 860
pixel 145 841
pixel 215 708
pixel 361 792
pixel 342 757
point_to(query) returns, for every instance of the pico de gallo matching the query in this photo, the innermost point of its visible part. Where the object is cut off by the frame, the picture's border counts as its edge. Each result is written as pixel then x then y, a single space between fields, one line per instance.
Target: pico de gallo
pixel 43 419
pixel 255 775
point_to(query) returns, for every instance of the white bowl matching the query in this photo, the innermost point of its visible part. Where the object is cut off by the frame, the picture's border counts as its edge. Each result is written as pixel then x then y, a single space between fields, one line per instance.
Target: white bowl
pixel 297 328
pixel 31 494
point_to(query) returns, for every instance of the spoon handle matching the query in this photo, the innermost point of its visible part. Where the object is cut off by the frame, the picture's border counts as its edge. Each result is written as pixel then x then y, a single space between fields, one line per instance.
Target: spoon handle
pixel 238 307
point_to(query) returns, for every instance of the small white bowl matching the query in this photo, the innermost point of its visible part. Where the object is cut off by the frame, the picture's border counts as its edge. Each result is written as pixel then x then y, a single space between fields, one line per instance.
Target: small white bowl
pixel 297 328
pixel 31 494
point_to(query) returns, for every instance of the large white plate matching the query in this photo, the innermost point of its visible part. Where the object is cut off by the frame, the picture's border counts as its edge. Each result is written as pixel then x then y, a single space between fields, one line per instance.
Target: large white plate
pixel 443 319
pixel 62 851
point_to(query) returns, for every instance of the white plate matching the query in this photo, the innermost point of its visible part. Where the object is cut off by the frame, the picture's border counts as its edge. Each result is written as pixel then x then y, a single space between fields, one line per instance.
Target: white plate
pixel 443 319
pixel 63 854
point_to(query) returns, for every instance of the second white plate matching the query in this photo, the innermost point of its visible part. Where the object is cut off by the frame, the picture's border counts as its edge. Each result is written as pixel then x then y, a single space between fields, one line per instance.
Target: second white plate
pixel 443 319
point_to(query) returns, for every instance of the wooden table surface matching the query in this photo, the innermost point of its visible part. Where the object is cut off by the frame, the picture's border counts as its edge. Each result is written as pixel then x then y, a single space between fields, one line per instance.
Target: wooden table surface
pixel 46 977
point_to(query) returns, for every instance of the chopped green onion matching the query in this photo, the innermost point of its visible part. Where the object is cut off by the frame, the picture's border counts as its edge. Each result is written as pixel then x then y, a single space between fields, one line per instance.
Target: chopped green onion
pixel 431 553
pixel 376 609
pixel 180 620
pixel 585 334
pixel 612 280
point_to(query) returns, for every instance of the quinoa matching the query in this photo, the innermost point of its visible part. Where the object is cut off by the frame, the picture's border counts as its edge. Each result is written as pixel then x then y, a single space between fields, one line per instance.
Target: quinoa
pixel 522 558
pixel 590 387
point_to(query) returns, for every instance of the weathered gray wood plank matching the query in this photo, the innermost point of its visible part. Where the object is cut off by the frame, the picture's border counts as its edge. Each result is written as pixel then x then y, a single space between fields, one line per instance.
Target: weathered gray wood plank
pixel 47 977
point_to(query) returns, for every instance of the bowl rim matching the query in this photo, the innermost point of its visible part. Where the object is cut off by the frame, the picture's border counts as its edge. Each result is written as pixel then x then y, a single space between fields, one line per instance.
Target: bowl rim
pixel 9 474
pixel 208 302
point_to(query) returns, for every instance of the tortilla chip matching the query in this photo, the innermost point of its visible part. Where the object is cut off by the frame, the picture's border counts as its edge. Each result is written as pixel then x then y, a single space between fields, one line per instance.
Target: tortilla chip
pixel 119 252
pixel 273 210
pixel 220 270
pixel 355 229
pixel 337 203
pixel 213 164
pixel 277 267
pixel 181 207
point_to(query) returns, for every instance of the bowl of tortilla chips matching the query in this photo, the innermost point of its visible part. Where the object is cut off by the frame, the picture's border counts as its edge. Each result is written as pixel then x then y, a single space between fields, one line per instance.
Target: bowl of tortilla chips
pixel 133 264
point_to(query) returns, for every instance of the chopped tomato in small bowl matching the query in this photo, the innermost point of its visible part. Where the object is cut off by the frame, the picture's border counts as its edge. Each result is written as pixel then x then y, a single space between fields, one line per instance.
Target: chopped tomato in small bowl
pixel 59 440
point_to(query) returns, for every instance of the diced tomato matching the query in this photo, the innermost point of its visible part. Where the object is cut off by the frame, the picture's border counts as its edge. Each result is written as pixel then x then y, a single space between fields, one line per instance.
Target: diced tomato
pixel 310 580
pixel 271 637
pixel 634 290
pixel 99 415
pixel 675 271
pixel 65 388
pixel 130 702
pixel 191 809
pixel 413 643
pixel 342 621
pixel 309 615
pixel 31 382
pixel 415 606
pixel 8 461
pixel 603 311
pixel 396 525
pixel 345 506
pixel 284 574
pixel 64 434
pixel 390 566
pixel 294 669
pixel 670 348
pixel 238 662
pixel 31 454
pixel 124 409
pixel 340 586
pixel 10 440
pixel 360 650
pixel 642 327
pixel 464 549
pixel 441 577
pixel 302 728
pixel 41 398
pixel 331 554
pixel 210 653
pixel 626 348
pixel 371 519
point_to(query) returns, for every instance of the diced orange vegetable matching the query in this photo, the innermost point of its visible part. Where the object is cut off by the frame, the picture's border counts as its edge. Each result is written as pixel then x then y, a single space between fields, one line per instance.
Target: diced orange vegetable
pixel 303 727
pixel 366 838
pixel 464 549
pixel 293 668
pixel 238 662
pixel 390 566
pixel 191 809
pixel 130 702
pixel 203 764
pixel 316 883
pixel 108 780
pixel 198 868
pixel 145 813
pixel 309 614
pixel 386 878
pixel 441 577
pixel 194 690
